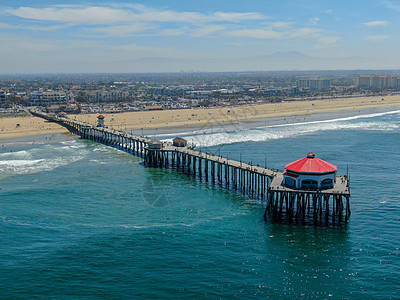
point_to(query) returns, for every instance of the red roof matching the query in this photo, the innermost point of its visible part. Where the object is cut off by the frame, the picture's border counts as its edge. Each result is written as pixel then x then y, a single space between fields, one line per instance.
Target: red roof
pixel 311 164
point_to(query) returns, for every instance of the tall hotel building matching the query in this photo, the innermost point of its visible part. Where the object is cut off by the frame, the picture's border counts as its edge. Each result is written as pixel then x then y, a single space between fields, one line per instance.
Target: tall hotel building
pixel 377 81
pixel 315 84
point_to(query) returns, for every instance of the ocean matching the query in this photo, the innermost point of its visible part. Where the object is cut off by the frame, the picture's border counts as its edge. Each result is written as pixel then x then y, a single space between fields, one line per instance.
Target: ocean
pixel 83 220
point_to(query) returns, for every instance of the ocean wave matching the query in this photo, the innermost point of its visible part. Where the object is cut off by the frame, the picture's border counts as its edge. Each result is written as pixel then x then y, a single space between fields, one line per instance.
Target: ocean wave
pixel 18 154
pixel 365 116
pixel 281 131
pixel 23 167
pixel 238 126
pixel 40 158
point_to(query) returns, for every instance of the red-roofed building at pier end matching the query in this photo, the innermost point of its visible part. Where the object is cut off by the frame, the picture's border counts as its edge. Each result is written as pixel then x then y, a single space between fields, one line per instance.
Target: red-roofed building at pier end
pixel 309 173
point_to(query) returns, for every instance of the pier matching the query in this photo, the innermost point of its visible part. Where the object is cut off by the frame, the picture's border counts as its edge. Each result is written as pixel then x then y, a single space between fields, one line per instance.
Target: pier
pixel 283 203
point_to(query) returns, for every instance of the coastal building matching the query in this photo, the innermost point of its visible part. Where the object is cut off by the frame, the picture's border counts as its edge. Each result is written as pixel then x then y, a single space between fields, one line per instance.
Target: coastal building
pixel 100 121
pixel 179 142
pixel 45 98
pixel 102 96
pixel 315 84
pixel 309 172
pixel 377 81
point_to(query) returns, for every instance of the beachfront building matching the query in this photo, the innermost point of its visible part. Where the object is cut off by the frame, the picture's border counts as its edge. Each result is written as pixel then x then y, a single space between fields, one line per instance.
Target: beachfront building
pixel 314 84
pixel 377 81
pixel 100 121
pixel 309 172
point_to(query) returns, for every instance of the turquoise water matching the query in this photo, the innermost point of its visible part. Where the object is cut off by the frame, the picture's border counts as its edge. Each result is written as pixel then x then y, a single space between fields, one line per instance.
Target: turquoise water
pixel 83 220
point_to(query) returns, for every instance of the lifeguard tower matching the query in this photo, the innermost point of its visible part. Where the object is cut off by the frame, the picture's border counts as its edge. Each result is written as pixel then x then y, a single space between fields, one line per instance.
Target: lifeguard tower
pixel 100 121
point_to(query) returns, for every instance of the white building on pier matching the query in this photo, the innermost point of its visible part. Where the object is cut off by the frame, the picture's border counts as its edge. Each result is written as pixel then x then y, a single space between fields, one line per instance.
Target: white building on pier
pixel 309 172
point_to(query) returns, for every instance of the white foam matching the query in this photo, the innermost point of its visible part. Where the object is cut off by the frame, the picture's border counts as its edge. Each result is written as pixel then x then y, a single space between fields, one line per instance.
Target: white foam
pixel 274 132
pixel 238 126
pixel 17 154
pixel 21 167
pixel 336 120
pixel 39 159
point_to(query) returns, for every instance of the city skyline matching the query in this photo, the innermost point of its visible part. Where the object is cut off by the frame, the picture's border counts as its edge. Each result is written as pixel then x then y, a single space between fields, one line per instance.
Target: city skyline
pixel 153 36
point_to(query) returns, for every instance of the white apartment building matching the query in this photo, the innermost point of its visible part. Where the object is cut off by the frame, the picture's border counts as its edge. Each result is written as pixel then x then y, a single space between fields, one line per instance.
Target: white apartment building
pixel 377 81
pixel 315 84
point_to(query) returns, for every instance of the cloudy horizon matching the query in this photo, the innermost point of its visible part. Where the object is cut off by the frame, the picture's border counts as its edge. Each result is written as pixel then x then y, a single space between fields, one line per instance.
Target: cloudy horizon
pixel 148 36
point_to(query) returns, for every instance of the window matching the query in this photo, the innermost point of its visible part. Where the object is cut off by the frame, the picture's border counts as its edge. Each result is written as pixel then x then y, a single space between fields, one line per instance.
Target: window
pixel 327 183
pixel 290 182
pixel 308 183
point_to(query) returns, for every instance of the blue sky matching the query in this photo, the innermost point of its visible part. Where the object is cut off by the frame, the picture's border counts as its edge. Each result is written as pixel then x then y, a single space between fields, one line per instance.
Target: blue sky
pixel 126 36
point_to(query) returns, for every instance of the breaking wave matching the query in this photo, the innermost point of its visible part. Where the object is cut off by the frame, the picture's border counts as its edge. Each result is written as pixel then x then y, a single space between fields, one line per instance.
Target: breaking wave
pixel 39 159
pixel 376 121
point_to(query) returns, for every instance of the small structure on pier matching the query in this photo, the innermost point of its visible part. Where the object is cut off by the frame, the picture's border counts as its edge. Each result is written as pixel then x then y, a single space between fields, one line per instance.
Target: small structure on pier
pixel 155 145
pixel 179 142
pixel 100 121
pixel 310 172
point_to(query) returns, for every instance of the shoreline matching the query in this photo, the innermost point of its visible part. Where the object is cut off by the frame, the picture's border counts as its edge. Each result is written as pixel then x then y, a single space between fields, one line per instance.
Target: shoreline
pixel 228 118
pixel 264 123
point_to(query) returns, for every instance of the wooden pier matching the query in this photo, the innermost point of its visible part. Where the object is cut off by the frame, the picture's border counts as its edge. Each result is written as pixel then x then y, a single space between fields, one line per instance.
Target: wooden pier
pixel 321 207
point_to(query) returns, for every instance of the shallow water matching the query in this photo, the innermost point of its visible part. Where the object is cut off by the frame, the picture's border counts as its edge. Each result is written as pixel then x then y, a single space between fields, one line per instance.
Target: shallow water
pixel 80 219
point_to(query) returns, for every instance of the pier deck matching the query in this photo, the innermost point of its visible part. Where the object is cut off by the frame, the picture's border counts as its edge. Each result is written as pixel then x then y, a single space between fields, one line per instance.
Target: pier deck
pixel 222 160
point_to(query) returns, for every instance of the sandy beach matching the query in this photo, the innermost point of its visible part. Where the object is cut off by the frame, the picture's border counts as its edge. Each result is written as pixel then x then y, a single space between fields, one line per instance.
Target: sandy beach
pixel 26 126
pixel 13 127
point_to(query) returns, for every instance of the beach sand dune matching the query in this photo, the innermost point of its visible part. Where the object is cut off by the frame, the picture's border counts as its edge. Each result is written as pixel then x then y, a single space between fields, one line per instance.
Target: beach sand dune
pixel 26 126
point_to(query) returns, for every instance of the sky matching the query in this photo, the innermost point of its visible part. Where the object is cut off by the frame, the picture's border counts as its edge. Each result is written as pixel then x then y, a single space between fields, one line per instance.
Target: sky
pixel 209 35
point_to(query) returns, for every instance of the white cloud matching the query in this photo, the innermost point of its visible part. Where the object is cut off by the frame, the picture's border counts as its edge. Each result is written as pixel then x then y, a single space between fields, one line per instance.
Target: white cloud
pixel 376 23
pixel 96 15
pixel 123 30
pixel 256 34
pixel 127 20
pixel 375 38
pixel 306 32
pixel 89 15
pixel 208 30
pixel 314 21
pixel 283 25
pixel 173 32
pixel 303 33
pixel 237 17
pixel 329 40
pixel 134 47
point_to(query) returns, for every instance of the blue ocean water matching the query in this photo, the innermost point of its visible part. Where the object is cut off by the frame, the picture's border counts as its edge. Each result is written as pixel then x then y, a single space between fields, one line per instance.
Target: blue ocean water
pixel 83 220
